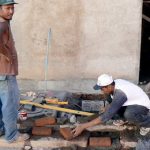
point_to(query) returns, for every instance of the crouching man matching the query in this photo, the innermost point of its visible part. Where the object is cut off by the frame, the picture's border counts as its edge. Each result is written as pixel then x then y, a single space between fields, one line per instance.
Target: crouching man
pixel 125 96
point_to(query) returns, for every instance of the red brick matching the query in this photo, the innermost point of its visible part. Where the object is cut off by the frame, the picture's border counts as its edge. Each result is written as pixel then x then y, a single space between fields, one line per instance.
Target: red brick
pixel 100 142
pixel 45 121
pixel 41 131
pixel 66 133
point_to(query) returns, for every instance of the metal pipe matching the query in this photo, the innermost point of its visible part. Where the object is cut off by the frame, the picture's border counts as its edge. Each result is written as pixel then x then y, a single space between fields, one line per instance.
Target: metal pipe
pixel 47 56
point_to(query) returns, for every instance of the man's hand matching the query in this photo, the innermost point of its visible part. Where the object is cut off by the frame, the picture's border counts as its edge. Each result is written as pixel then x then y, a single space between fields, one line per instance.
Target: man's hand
pixel 7 58
pixel 78 130
pixel 80 127
pixel 102 109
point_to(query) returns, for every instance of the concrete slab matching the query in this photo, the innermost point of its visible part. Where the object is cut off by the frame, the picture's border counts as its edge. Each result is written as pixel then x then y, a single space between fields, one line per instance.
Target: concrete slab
pixel 42 143
pixel 111 128
pixel 15 146
pixel 52 142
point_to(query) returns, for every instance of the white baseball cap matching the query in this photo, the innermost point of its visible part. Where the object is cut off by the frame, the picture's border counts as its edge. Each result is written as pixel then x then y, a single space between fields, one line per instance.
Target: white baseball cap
pixel 103 80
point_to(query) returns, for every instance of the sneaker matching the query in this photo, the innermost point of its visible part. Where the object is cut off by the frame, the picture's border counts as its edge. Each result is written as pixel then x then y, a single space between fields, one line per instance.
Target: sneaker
pixel 22 137
pixel 119 122
pixel 144 131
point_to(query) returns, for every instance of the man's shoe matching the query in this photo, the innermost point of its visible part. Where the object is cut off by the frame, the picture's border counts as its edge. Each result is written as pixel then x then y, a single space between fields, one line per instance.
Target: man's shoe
pixel 144 130
pixel 22 137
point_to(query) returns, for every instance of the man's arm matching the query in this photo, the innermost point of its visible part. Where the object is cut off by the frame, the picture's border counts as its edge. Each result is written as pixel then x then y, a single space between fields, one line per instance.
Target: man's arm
pixel 119 99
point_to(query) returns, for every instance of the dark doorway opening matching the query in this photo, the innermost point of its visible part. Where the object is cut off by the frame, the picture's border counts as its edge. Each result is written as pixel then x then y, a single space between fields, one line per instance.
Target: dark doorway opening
pixel 144 75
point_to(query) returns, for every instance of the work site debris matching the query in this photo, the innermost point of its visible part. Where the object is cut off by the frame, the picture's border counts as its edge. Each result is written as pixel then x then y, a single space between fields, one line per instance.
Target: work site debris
pixel 30 94
pixel 62 95
pixel 73 119
pixel 22 115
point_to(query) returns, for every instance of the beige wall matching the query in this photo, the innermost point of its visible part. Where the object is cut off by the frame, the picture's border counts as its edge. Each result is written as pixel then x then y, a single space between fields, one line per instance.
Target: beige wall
pixel 89 37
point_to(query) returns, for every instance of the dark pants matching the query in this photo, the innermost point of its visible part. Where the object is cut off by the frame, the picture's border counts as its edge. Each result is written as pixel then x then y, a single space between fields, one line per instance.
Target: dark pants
pixel 136 114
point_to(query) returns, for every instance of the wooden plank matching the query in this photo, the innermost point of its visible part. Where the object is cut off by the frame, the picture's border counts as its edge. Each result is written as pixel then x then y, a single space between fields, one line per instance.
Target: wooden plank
pixel 111 128
pixel 104 128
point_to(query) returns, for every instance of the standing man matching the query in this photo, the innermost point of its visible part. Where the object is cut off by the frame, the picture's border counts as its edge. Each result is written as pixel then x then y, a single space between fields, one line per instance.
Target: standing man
pixel 9 93
pixel 126 96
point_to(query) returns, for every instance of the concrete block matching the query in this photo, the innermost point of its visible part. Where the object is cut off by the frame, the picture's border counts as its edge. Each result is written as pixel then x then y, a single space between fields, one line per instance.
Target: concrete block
pixel 42 131
pixel 100 142
pixel 92 105
pixel 45 121
pixel 66 133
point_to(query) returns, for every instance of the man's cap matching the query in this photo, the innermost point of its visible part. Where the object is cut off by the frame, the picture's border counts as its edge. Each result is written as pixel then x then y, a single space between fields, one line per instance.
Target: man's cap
pixel 103 80
pixel 7 2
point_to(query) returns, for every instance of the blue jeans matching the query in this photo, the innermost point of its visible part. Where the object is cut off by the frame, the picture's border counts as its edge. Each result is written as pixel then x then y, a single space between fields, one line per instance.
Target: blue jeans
pixel 138 115
pixel 9 102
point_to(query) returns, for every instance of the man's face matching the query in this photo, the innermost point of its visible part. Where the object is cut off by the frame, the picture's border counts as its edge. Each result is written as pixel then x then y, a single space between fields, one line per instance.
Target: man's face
pixel 7 11
pixel 107 90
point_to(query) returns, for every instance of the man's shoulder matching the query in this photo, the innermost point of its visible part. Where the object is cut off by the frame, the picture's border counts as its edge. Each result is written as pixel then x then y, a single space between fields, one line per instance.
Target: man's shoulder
pixel 3 25
pixel 122 82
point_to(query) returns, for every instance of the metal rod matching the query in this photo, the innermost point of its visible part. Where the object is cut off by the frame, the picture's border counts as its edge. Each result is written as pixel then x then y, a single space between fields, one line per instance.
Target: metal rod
pixel 47 56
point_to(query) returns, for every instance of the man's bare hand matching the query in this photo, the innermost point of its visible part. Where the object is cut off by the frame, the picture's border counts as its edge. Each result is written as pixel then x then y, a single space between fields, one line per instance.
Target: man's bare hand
pixel 102 109
pixel 78 130
pixel 7 58
pixel 80 127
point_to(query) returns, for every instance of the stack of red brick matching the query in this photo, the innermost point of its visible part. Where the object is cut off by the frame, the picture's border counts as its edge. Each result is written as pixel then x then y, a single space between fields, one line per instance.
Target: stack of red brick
pixel 40 128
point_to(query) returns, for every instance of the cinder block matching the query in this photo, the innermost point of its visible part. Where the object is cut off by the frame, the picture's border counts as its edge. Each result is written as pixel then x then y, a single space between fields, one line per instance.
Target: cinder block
pixel 42 131
pixel 100 142
pixel 92 105
pixel 45 121
pixel 66 133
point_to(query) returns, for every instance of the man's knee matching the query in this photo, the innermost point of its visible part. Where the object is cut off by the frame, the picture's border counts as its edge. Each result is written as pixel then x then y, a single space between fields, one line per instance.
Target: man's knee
pixel 130 116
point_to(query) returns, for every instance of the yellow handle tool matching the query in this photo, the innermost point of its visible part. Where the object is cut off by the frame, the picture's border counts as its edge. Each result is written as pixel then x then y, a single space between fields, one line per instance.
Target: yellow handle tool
pixel 56 101
pixel 57 108
pixel 50 101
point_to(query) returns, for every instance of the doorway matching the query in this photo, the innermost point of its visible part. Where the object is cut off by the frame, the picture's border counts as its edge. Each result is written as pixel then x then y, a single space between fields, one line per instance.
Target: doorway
pixel 144 75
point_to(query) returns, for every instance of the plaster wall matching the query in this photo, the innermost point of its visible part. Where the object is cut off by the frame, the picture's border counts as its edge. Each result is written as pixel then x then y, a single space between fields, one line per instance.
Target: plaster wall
pixel 87 38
